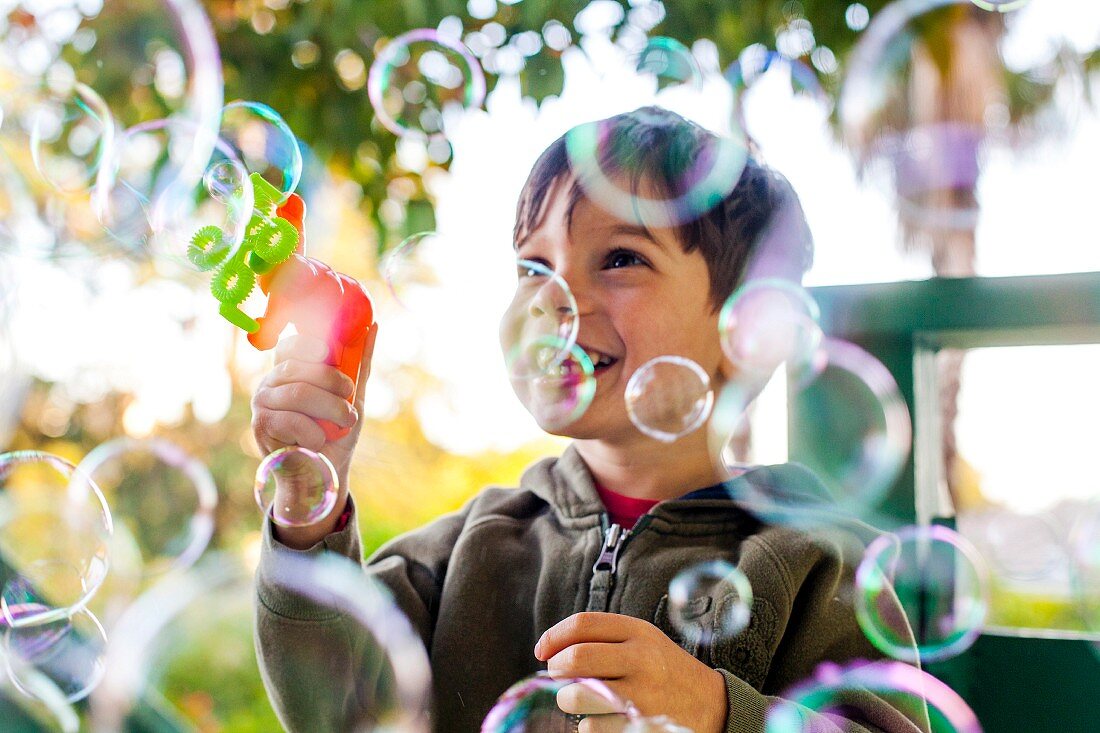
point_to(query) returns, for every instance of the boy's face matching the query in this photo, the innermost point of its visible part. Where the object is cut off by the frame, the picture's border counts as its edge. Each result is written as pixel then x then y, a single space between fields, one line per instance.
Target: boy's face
pixel 637 298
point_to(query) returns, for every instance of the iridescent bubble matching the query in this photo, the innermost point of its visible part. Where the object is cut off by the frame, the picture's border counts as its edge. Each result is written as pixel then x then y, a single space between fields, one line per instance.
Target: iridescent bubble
pixel 415 268
pixel 710 601
pixel 941 584
pixel 766 323
pixel 36 699
pixel 836 690
pixel 71 134
pixel 163 496
pixel 669 397
pixel 555 389
pixel 539 327
pixel 1025 547
pixel 68 652
pixel 296 487
pixel 263 141
pixel 544 704
pixel 419 78
pixel 189 638
pixel 851 424
pixel 756 66
pixel 607 166
pixel 670 61
pixel 225 180
pixel 56 548
pixel 1000 6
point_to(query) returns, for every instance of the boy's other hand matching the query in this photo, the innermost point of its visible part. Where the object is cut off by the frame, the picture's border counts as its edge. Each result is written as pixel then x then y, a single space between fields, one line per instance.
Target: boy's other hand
pixel 640 664
pixel 299 389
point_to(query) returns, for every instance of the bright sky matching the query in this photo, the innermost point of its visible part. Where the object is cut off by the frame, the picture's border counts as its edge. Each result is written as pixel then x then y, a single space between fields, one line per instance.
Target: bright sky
pixel 1036 217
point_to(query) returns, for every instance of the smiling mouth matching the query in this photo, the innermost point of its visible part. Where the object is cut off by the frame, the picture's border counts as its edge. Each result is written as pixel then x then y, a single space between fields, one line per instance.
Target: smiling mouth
pixel 600 362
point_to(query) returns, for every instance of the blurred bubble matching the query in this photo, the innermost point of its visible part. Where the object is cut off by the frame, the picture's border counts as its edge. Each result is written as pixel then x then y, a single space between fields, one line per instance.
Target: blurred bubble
pixel 710 601
pixel 555 389
pixel 941 583
pixel 1024 547
pixel 263 141
pixel 544 704
pixel 757 66
pixel 296 486
pixel 187 642
pixel 670 62
pixel 71 134
pixel 608 167
pixel 851 424
pixel 155 207
pixel 419 78
pixel 769 322
pixel 836 690
pixel 539 327
pixel 936 90
pixel 1000 6
pixel 68 652
pixel 415 267
pixel 36 700
pixel 55 548
pixel 163 496
pixel 668 397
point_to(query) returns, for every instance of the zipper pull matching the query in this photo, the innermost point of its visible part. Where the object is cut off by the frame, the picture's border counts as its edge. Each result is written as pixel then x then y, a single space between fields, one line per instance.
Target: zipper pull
pixel 612 545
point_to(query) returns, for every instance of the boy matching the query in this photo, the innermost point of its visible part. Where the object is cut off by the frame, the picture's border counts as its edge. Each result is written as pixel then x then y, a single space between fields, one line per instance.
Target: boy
pixel 547 576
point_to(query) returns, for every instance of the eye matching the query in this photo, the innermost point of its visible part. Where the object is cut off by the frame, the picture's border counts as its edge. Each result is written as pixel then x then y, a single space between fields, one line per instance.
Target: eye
pixel 624 258
pixel 525 269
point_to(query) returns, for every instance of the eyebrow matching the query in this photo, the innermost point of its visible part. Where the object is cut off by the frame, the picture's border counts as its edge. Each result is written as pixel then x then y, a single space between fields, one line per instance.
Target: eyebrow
pixel 637 230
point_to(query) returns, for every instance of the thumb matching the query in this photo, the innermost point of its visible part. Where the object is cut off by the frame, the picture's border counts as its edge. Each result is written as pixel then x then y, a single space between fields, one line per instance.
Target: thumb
pixel 364 367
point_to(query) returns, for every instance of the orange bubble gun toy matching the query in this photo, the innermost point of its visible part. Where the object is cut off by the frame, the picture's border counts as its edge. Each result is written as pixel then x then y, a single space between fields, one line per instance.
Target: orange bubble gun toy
pixel 320 302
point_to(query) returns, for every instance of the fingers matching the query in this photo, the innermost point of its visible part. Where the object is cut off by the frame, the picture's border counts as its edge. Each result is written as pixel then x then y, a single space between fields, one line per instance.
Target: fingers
pixel 307 399
pixel 588 697
pixel 325 377
pixel 364 367
pixel 603 724
pixel 584 627
pixel 302 348
pixel 275 429
pixel 587 659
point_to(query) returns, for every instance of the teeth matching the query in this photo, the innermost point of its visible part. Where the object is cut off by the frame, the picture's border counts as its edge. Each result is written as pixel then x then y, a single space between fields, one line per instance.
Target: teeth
pixel 599 359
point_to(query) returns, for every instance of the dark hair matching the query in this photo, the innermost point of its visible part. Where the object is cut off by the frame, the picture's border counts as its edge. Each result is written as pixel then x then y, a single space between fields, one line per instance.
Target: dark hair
pixel 757 229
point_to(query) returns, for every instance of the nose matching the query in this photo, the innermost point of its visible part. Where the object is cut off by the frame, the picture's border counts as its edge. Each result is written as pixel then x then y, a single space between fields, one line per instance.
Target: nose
pixel 552 299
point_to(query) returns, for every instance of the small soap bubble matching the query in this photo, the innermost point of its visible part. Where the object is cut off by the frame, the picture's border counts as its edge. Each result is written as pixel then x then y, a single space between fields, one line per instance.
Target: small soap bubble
pixel 539 326
pixel 1000 6
pixel 710 601
pixel 557 390
pixel 262 140
pixel 541 704
pixel 941 583
pixel 912 692
pixel 163 496
pixel 757 75
pixel 296 486
pixel 418 78
pixel 68 652
pixel 670 62
pixel 669 397
pixel 415 268
pixel 224 180
pixel 71 134
pixel 769 322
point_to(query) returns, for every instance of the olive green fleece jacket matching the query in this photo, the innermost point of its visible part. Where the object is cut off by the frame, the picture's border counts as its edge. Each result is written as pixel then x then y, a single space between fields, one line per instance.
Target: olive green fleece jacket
pixel 482 585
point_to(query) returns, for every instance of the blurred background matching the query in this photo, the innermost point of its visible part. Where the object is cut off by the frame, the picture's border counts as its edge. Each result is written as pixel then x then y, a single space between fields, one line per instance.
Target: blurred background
pixel 925 139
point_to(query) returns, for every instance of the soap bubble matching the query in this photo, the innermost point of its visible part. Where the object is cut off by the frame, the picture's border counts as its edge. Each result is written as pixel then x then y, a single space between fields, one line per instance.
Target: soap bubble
pixel 71 134
pixel 156 207
pixel 538 704
pixel 57 548
pixel 942 584
pixel 1000 6
pixel 837 690
pixel 539 327
pixel 668 397
pixel 1026 547
pixel 189 639
pixel 68 652
pixel 670 62
pixel 420 76
pixel 296 486
pixel 35 700
pixel 163 496
pixel 766 323
pixel 852 426
pixel 1084 547
pixel 555 389
pixel 757 66
pixel 263 141
pixel 412 269
pixel 710 601
pixel 607 167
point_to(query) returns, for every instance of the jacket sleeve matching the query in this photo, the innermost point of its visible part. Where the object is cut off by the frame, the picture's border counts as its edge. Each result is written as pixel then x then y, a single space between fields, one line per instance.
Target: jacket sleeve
pixel 321 670
pixel 822 627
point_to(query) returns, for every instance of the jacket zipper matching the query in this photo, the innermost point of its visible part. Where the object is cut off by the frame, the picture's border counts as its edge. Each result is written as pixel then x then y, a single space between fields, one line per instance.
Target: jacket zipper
pixel 615 539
